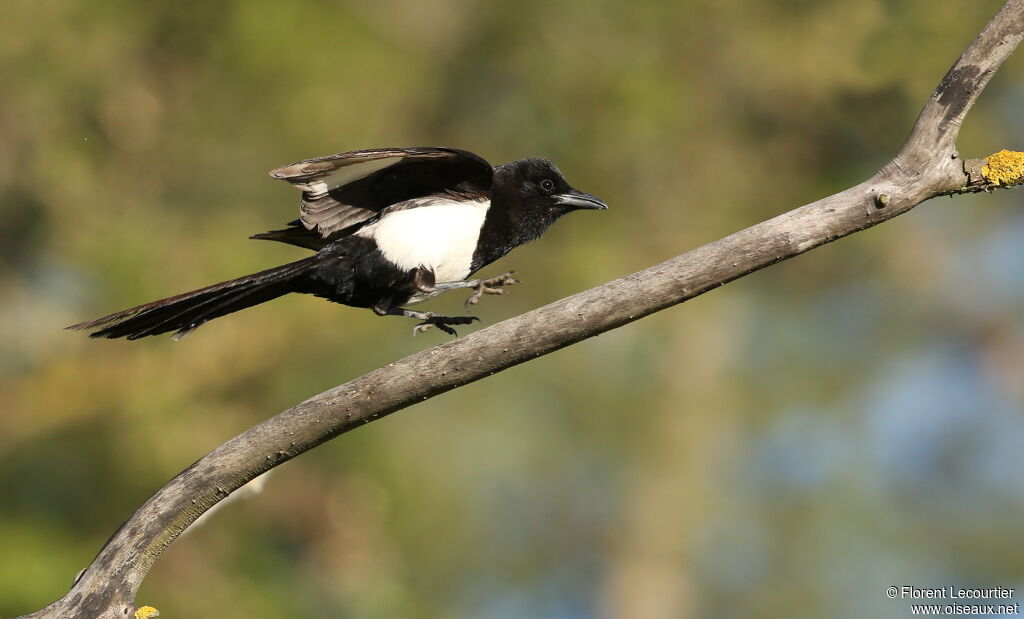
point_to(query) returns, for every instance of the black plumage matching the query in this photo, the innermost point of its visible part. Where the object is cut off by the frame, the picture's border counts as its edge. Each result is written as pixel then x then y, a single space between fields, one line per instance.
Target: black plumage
pixel 390 227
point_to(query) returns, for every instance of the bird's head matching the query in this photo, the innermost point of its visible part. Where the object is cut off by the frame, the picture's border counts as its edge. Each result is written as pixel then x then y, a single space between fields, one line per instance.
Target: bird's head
pixel 534 189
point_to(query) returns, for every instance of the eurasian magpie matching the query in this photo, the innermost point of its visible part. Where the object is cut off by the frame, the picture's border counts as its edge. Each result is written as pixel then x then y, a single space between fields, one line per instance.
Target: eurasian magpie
pixel 390 227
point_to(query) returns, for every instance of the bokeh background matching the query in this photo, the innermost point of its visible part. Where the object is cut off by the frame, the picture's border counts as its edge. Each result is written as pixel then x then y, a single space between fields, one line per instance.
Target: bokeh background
pixel 787 446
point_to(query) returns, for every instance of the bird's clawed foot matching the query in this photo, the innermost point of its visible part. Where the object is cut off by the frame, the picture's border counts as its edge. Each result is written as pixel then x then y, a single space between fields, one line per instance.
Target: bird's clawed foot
pixel 491 286
pixel 430 319
pixel 443 323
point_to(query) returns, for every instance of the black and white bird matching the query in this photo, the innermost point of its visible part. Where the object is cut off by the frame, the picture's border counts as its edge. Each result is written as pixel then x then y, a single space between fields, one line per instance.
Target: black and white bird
pixel 390 227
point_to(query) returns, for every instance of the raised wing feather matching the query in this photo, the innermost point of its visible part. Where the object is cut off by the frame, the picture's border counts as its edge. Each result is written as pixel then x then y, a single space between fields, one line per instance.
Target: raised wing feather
pixel 341 192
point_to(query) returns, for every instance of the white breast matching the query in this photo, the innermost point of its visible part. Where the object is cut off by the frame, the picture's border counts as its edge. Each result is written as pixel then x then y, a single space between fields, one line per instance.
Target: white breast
pixel 439 234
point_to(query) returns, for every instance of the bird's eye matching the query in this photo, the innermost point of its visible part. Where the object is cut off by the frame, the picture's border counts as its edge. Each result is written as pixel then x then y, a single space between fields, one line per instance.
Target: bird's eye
pixel 547 185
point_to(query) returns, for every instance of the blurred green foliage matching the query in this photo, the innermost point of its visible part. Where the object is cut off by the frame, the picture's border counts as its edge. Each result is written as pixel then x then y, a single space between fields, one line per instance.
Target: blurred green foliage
pixel 787 446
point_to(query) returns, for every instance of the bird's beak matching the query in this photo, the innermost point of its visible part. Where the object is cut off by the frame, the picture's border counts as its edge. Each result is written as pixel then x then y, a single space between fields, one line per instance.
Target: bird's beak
pixel 578 199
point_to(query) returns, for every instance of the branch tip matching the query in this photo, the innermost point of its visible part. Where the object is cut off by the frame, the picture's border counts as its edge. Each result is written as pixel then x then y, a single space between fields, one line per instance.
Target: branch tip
pixel 1004 168
pixel 146 612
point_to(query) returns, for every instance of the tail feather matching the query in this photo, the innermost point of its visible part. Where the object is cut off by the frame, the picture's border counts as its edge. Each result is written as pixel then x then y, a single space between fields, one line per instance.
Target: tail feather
pixel 184 313
pixel 295 235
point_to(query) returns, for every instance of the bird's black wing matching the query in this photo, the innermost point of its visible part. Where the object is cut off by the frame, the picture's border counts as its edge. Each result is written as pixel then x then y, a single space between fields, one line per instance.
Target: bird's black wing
pixel 342 192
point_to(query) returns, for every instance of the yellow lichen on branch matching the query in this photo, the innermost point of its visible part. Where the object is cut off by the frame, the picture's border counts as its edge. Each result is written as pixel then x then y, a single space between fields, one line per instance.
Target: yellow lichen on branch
pixel 1004 168
pixel 146 612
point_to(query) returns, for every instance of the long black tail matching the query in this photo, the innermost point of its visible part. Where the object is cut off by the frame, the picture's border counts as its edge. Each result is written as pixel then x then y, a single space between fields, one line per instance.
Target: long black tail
pixel 185 312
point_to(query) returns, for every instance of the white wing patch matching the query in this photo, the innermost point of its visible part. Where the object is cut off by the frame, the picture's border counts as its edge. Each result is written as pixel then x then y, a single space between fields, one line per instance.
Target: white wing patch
pixel 438 234
pixel 319 187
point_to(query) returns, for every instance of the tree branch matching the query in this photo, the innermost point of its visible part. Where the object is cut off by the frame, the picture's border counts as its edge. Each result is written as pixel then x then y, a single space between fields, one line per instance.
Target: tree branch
pixel 926 166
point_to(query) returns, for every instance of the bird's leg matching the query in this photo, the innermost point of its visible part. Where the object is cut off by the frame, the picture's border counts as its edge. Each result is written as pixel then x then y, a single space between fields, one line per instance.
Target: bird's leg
pixel 481 286
pixel 493 285
pixel 423 280
pixel 430 319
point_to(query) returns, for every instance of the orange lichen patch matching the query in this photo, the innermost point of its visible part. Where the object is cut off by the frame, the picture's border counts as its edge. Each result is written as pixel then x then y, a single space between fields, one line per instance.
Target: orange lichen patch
pixel 1004 168
pixel 146 612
